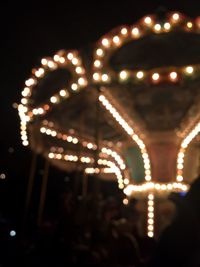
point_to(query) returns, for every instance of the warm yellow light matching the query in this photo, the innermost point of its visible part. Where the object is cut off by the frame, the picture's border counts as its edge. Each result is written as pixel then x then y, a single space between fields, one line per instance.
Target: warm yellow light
pixel 150 196
pixel 167 26
pixel 150 221
pixel 179 178
pixel 97 63
pixel 116 39
pixel 96 76
pixel 75 61
pixel 104 77
pixel 124 31
pixel 148 20
pixel 150 227
pixel 63 93
pixel 121 186
pixel 135 32
pixel 155 77
pixel 125 201
pixel 74 86
pixel 189 25
pixel 123 75
pixel 157 27
pixel 99 52
pixel 126 181
pixel 189 69
pixel 105 42
pixel 44 61
pixel 79 70
pixel 81 81
pixel 54 99
pixel 173 76
pixel 140 74
pixel 175 17
pixel 150 234
pixel 25 143
pixel 70 56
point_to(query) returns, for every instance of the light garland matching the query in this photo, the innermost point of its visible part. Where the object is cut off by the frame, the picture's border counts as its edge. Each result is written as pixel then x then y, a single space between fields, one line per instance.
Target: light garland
pixel 89 145
pixel 181 154
pixel 150 216
pixel 129 130
pixel 68 60
pixel 155 187
pixel 122 35
pixel 112 168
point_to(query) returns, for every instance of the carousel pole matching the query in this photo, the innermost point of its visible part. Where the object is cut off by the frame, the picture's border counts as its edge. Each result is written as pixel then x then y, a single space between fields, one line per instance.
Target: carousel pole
pixel 78 176
pixel 43 193
pixel 97 141
pixel 30 187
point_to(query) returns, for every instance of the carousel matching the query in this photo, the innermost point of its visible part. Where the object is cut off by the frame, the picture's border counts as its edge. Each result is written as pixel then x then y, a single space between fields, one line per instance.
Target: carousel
pixel 126 109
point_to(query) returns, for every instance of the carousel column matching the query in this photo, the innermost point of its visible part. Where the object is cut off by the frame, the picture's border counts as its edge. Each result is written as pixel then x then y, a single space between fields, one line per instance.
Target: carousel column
pixel 30 187
pixel 79 174
pixel 43 193
pixel 163 154
pixel 97 141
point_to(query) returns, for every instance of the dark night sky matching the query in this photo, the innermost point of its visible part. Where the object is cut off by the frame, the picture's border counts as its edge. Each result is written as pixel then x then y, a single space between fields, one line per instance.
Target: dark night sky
pixel 29 32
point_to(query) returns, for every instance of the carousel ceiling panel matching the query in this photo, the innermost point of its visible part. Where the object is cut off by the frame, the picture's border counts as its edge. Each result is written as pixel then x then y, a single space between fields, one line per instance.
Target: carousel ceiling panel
pixel 158 50
pixel 80 113
pixel 49 85
pixel 161 107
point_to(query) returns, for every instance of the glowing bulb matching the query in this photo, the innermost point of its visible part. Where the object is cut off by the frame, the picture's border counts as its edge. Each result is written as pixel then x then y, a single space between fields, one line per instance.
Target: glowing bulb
pixel 135 32
pixel 97 63
pixel 96 76
pixel 155 77
pixel 44 61
pixel 104 77
pixel 75 61
pixel 173 76
pixel 25 143
pixel 148 20
pixel 150 234
pixel 63 93
pixel 123 75
pixel 74 86
pixel 189 69
pixel 157 27
pixel 2 176
pixel 116 40
pixel 54 99
pixel 125 201
pixel 70 56
pixel 140 74
pixel 99 52
pixel 79 70
pixel 81 81
pixel 105 42
pixel 124 31
pixel 12 233
pixel 167 26
pixel 179 178
pixel 189 25
pixel 175 16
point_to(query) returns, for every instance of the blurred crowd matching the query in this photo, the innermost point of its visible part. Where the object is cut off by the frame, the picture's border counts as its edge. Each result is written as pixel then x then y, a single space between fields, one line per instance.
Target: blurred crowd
pixel 94 231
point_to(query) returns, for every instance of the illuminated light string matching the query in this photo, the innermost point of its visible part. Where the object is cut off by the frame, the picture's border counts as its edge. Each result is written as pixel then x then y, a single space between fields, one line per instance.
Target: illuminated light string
pixel 129 130
pixel 119 37
pixel 112 168
pixel 104 150
pixel 155 187
pixel 70 138
pixel 150 215
pixel 181 154
pixel 69 60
